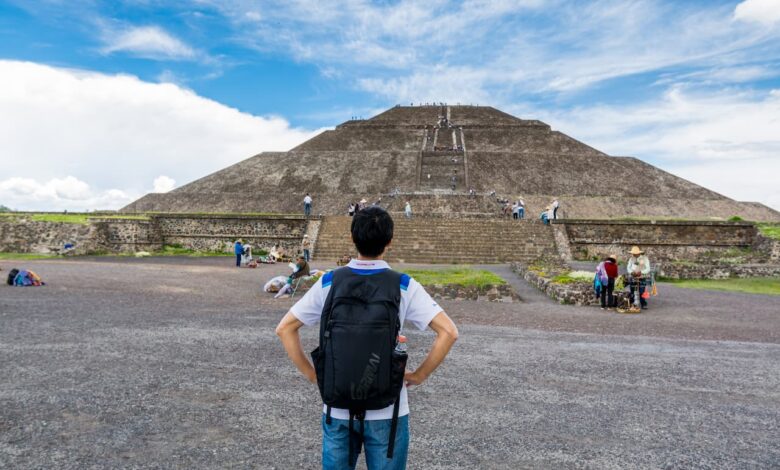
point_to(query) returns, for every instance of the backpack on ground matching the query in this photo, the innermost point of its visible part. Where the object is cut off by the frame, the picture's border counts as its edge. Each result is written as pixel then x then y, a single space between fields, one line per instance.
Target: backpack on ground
pixel 357 364
pixel 12 276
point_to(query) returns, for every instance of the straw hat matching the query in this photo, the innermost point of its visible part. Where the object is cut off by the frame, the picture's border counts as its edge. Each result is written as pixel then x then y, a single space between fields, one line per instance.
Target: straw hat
pixel 363 201
pixel 636 251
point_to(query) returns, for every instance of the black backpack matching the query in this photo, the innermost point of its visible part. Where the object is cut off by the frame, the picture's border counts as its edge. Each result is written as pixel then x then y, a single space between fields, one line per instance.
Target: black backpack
pixel 357 364
pixel 11 276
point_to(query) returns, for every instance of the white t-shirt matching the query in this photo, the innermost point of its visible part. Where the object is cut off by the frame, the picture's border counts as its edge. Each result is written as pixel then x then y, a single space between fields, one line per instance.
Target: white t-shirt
pixel 307 200
pixel 416 307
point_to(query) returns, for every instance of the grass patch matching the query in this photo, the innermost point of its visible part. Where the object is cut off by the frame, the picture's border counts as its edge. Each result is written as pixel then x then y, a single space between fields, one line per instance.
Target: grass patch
pixel 573 276
pixel 26 256
pixel 753 285
pixel 770 230
pixel 178 250
pixel 461 276
pixel 63 218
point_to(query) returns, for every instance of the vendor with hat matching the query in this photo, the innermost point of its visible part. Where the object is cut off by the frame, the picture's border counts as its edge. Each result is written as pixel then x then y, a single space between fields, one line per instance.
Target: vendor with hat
pixel 638 268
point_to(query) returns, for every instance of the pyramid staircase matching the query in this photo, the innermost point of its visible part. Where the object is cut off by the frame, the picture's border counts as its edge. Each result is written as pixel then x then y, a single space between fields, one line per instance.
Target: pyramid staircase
pixel 442 240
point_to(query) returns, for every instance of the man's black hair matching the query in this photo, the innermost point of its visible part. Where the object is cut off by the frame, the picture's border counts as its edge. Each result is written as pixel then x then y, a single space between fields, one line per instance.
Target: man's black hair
pixel 372 231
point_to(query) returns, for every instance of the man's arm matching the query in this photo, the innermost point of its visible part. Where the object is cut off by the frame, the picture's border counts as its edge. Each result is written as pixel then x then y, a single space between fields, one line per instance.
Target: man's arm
pixel 446 335
pixel 287 331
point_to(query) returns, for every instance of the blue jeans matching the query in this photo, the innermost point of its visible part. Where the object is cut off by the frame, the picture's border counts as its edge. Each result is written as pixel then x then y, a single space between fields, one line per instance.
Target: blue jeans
pixel 521 212
pixel 306 254
pixel 238 260
pixel 376 433
pixel 307 210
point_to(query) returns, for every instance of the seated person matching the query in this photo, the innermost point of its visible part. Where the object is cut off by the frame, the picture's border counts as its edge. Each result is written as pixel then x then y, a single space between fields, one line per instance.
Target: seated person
pixel 301 268
pixel 277 252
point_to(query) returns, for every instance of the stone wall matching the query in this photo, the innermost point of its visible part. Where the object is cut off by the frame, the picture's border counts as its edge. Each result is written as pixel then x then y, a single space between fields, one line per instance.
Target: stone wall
pixel 718 271
pixel 769 246
pixel 23 235
pixel 498 293
pixel 218 232
pixel 196 232
pixel 662 240
pixel 124 235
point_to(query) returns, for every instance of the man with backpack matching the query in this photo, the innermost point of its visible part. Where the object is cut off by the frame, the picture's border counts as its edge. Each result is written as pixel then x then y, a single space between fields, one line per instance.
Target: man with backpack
pixel 360 364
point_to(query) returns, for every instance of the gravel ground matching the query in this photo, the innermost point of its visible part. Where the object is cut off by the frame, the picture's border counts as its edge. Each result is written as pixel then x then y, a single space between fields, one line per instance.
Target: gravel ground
pixel 172 363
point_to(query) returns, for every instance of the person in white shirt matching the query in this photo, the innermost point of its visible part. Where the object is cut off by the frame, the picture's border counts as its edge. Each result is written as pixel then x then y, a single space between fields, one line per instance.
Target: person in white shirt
pixel 307 205
pixel 408 210
pixel 372 232
pixel 555 205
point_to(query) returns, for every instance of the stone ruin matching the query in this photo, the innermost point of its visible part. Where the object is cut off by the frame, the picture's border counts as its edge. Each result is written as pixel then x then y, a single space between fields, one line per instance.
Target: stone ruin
pixel 432 156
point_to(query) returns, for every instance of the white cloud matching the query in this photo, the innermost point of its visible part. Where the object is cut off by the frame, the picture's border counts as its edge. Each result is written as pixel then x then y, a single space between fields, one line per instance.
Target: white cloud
pixel 727 141
pixel 115 132
pixel 525 47
pixel 58 194
pixel 163 184
pixel 149 42
pixel 253 16
pixel 758 11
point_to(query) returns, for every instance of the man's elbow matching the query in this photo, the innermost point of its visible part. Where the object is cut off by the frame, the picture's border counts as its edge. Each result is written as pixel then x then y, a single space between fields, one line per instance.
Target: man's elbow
pixel 451 333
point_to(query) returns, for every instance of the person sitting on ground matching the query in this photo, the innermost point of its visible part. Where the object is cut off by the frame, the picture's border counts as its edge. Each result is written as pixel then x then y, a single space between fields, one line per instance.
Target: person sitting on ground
pixel 277 252
pixel 638 268
pixel 607 271
pixel 238 249
pixel 301 268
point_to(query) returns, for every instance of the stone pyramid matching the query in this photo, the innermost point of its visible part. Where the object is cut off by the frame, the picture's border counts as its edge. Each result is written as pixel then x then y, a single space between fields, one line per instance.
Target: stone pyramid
pixel 433 155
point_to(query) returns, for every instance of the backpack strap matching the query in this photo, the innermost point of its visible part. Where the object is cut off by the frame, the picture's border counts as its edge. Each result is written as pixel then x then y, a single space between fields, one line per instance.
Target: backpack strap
pixel 393 428
pixel 356 442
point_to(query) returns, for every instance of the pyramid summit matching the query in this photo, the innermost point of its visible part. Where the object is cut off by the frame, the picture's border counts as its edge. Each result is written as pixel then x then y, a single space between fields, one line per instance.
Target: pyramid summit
pixel 433 156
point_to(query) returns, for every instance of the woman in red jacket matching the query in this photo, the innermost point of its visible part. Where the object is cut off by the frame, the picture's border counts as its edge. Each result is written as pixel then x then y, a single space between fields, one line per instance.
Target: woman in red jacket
pixel 608 272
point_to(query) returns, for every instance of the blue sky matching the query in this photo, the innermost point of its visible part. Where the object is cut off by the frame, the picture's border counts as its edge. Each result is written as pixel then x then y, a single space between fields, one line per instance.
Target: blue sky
pixel 116 98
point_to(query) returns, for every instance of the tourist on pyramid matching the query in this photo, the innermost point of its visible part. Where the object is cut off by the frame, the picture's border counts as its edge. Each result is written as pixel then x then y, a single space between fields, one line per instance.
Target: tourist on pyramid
pixel 550 214
pixel 515 215
pixel 360 364
pixel 520 209
pixel 408 210
pixel 238 249
pixel 307 205
pixel 554 206
pixel 638 268
pixel 351 209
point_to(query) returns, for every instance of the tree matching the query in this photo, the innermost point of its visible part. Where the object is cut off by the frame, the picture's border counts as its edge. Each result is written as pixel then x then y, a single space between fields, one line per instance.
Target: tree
pixel 4 209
